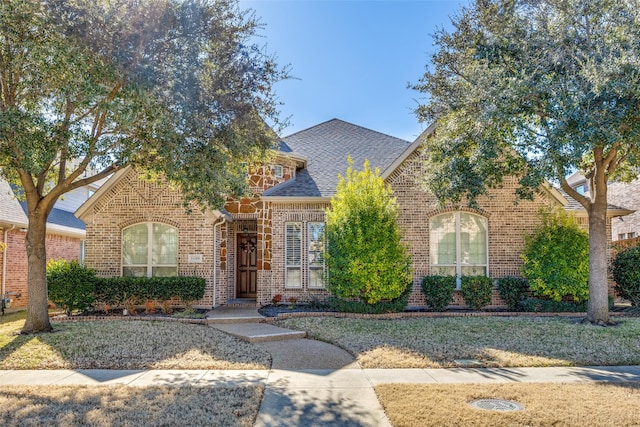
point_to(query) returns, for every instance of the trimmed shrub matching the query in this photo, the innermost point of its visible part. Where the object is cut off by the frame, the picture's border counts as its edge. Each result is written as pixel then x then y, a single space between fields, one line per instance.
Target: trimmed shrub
pixel 556 258
pixel 71 285
pixel 365 258
pixel 438 291
pixel 513 290
pixel 130 291
pixel 537 305
pixel 476 291
pixel 625 269
pixel 397 305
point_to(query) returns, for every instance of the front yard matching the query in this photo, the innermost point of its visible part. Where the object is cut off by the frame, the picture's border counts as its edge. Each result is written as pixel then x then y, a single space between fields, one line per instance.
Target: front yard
pixel 117 344
pixel 477 341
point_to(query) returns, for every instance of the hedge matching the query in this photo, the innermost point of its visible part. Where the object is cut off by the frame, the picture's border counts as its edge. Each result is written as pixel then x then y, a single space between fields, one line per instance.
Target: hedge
pixel 135 290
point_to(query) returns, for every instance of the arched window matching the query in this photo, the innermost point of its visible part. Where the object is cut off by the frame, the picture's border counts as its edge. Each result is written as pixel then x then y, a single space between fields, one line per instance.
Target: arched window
pixel 458 244
pixel 150 249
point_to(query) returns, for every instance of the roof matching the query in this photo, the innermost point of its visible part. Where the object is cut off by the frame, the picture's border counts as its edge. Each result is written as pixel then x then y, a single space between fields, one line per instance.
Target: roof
pixel 574 205
pixel 14 213
pixel 326 147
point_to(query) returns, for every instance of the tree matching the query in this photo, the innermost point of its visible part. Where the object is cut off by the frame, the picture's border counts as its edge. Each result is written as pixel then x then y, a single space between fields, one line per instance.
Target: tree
pixel 536 89
pixel 88 87
pixel 365 256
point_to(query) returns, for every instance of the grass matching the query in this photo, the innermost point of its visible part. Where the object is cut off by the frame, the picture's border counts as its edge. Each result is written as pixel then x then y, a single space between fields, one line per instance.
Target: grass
pixel 593 404
pixel 120 344
pixel 128 406
pixel 492 341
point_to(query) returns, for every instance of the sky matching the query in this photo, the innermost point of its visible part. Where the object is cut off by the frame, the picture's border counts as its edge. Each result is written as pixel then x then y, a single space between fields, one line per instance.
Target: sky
pixel 352 59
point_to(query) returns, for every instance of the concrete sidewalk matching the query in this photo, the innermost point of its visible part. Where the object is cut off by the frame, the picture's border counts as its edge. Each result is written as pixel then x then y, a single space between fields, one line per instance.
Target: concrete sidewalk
pixel 309 397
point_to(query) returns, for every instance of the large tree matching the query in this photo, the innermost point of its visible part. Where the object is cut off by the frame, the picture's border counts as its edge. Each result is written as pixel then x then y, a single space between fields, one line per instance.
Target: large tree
pixel 537 89
pixel 88 87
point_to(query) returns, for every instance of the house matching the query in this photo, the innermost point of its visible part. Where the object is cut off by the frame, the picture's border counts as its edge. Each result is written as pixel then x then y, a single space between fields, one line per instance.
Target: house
pixel 618 194
pixel 65 238
pixel 271 243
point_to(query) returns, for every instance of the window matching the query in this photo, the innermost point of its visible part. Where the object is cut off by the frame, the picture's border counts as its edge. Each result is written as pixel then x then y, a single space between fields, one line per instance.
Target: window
pixel 631 235
pixel 293 251
pixel 277 171
pixel 458 244
pixel 149 250
pixel 621 236
pixel 316 254
pixel 582 188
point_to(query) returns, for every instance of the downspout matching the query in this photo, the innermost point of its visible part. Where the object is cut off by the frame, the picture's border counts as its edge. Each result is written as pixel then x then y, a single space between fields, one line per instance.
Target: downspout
pixel 4 260
pixel 216 254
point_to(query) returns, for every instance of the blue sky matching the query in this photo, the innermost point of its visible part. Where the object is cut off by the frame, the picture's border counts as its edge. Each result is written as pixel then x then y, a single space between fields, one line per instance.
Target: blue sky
pixel 352 59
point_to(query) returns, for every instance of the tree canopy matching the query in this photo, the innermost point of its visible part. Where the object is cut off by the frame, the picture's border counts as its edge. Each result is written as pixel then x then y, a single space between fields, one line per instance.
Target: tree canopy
pixel 537 89
pixel 88 87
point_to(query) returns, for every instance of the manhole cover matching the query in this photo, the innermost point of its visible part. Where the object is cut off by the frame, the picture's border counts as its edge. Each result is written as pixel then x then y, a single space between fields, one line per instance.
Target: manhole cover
pixel 497 405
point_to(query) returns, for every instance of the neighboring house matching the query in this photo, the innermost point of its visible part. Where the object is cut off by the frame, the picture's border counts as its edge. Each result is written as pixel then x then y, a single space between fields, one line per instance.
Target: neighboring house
pixel 65 238
pixel 618 194
pixel 272 243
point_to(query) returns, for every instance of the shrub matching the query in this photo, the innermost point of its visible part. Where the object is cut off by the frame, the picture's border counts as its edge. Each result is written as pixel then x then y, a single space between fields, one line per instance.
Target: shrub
pixel 626 273
pixel 397 305
pixel 438 291
pixel 513 290
pixel 548 306
pixel 71 285
pixel 130 291
pixel 556 258
pixel 476 291
pixel 365 257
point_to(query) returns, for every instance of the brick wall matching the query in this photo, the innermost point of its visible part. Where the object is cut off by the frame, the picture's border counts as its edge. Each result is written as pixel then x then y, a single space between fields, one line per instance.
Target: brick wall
pixel 58 247
pixel 133 200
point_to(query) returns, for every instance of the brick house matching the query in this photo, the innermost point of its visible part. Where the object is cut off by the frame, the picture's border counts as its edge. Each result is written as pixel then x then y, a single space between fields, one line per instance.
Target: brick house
pixel 271 243
pixel 65 239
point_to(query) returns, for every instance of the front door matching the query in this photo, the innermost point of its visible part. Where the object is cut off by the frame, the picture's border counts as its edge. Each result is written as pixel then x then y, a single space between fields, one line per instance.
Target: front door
pixel 247 266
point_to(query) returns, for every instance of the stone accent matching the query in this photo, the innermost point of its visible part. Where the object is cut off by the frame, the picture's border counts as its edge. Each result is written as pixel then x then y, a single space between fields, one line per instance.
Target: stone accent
pixel 626 196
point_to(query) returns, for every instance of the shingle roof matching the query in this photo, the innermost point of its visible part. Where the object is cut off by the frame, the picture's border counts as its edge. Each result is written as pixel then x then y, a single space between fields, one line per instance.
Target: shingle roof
pixel 574 205
pixel 10 210
pixel 326 147
pixel 60 217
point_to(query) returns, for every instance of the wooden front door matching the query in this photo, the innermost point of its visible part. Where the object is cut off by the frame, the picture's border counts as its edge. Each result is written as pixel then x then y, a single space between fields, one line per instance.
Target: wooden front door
pixel 247 266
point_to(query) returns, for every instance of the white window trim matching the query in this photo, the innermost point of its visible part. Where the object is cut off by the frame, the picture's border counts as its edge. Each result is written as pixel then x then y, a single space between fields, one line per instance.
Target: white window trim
pixel 286 249
pixel 277 174
pixel 149 266
pixel 324 264
pixel 458 265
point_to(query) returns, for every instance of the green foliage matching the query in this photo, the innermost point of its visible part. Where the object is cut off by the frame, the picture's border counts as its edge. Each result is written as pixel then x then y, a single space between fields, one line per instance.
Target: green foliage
pixel 136 290
pixel 556 258
pixel 365 258
pixel 533 89
pixel 625 269
pixel 71 285
pixel 396 305
pixel 438 291
pixel 513 290
pixel 476 291
pixel 537 305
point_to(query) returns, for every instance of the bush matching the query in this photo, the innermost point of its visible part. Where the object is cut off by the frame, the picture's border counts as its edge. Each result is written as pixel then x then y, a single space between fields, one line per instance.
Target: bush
pixel 476 291
pixel 130 291
pixel 626 273
pixel 71 285
pixel 365 257
pixel 537 305
pixel 513 290
pixel 556 258
pixel 438 291
pixel 397 305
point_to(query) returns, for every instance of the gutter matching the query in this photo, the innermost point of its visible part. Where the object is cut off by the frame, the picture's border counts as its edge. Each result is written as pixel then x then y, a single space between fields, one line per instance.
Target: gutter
pixel 4 260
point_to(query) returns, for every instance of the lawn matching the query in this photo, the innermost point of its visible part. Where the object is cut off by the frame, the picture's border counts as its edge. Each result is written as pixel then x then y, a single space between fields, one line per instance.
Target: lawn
pixel 490 341
pixel 125 345
pixel 593 404
pixel 128 406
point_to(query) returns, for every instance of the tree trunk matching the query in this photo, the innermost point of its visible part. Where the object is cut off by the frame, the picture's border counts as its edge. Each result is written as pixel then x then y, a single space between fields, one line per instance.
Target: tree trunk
pixel 38 303
pixel 598 309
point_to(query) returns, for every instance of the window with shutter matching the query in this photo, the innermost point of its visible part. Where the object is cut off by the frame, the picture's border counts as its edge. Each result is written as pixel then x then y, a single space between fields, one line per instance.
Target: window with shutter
pixel 293 257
